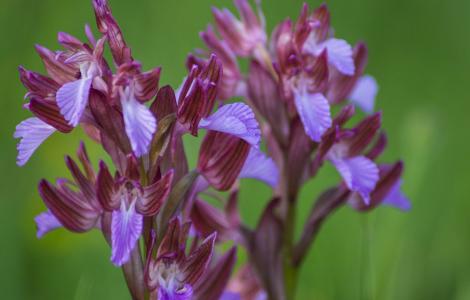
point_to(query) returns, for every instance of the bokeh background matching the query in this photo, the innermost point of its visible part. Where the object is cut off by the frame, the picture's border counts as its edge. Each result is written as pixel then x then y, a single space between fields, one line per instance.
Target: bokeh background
pixel 420 55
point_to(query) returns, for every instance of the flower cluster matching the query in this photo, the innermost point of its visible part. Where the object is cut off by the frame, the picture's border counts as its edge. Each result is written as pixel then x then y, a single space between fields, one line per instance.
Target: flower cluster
pixel 148 204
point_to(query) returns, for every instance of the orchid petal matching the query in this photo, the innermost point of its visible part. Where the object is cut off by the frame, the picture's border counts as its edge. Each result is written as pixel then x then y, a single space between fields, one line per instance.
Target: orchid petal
pixel 236 119
pixel 261 167
pixel 46 222
pixel 126 227
pixel 72 99
pixel 359 173
pixel 230 296
pixel 314 112
pixel 396 198
pixel 185 293
pixel 340 55
pixel 32 132
pixel 140 125
pixel 364 93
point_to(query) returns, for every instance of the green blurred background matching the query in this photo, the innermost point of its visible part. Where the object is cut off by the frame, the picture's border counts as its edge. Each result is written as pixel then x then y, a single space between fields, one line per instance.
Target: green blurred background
pixel 420 55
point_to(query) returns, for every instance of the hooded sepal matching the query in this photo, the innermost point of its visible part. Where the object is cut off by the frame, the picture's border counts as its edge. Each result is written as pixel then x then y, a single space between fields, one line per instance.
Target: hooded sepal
pixel 221 158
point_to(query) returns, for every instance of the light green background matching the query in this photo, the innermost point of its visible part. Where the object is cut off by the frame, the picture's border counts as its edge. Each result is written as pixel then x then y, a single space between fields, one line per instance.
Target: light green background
pixel 420 55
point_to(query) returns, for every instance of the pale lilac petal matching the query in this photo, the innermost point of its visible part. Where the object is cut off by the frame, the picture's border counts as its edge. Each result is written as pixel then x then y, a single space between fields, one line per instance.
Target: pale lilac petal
pixel 46 222
pixel 340 55
pixel 261 167
pixel 185 293
pixel 237 119
pixel 359 173
pixel 126 227
pixel 140 125
pixel 363 94
pixel 72 99
pixel 314 112
pixel 32 132
pixel 397 199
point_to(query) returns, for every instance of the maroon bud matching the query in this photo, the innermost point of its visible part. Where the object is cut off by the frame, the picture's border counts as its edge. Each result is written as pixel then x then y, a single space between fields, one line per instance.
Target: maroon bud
pixel 165 103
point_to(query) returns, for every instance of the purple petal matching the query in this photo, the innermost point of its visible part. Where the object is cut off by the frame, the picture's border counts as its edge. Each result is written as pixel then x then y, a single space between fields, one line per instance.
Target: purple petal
pixel 46 222
pixel 340 55
pixel 126 227
pixel 261 167
pixel 72 99
pixel 230 296
pixel 140 125
pixel 32 133
pixel 237 119
pixel 314 112
pixel 364 93
pixel 359 173
pixel 185 293
pixel 396 198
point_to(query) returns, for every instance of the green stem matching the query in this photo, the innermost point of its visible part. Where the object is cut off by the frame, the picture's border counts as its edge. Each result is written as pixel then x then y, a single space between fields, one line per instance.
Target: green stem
pixel 289 200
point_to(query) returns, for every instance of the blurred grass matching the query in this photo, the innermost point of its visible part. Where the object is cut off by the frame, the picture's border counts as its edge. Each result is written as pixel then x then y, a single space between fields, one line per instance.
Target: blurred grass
pixel 420 55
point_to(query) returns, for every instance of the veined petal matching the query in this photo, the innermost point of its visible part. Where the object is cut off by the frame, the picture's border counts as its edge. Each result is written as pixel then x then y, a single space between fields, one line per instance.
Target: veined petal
pixel 126 227
pixel 32 133
pixel 340 55
pixel 236 119
pixel 185 293
pixel 397 199
pixel 359 173
pixel 314 112
pixel 72 99
pixel 140 125
pixel 363 94
pixel 261 167
pixel 46 222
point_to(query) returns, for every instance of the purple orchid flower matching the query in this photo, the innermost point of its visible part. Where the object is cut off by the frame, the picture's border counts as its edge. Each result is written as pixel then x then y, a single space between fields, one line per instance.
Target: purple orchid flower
pixel 172 274
pixel 129 203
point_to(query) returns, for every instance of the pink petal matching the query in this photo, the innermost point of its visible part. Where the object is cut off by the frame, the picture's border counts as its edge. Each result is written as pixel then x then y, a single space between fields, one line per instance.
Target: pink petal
pixel 46 222
pixel 396 198
pixel 364 92
pixel 32 133
pixel 126 227
pixel 261 167
pixel 72 99
pixel 359 173
pixel 314 112
pixel 236 119
pixel 340 55
pixel 140 125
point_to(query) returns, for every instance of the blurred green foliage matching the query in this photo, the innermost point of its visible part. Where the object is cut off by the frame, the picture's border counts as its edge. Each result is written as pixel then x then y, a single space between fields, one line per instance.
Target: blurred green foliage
pixel 420 55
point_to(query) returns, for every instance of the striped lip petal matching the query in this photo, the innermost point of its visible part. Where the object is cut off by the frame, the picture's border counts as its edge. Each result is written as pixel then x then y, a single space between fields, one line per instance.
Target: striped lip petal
pixel 126 227
pixel 32 133
pixel 314 112
pixel 261 167
pixel 364 93
pixel 72 99
pixel 140 124
pixel 236 119
pixel 359 173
